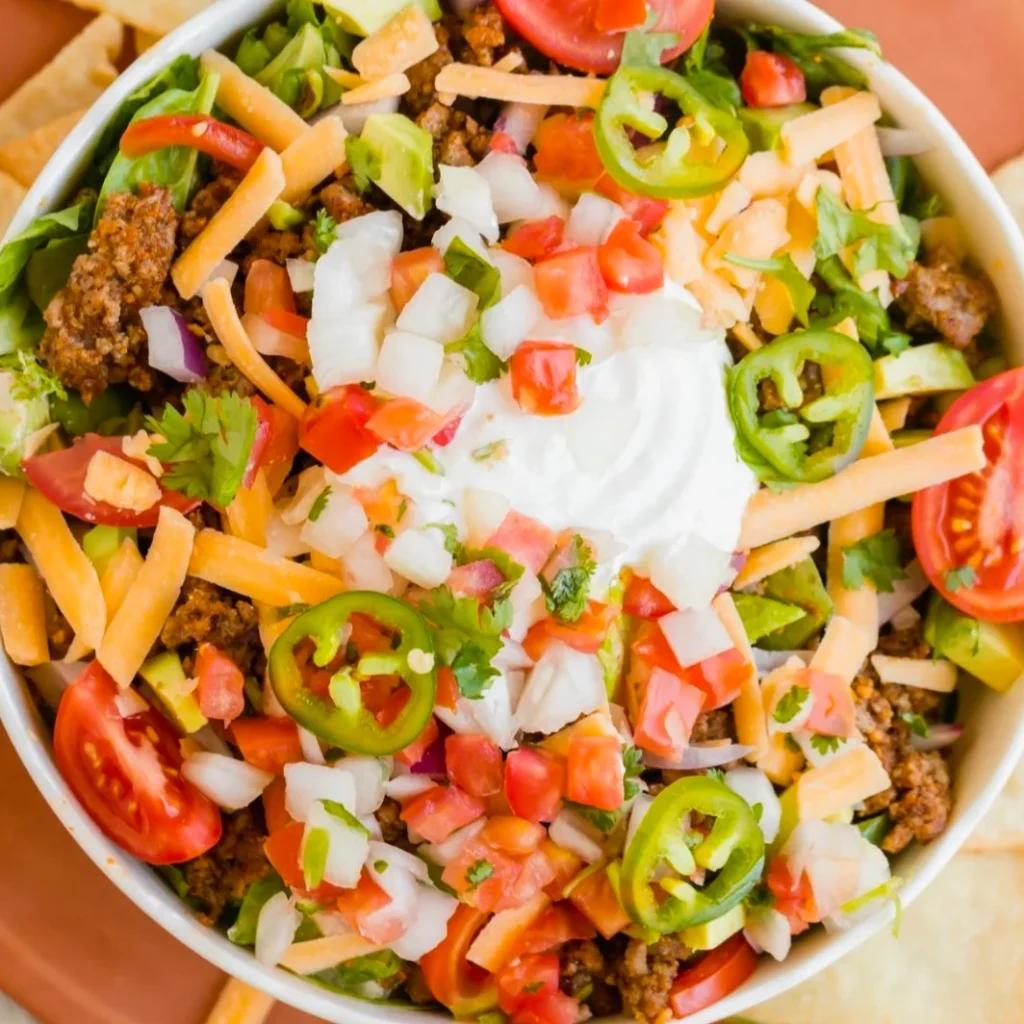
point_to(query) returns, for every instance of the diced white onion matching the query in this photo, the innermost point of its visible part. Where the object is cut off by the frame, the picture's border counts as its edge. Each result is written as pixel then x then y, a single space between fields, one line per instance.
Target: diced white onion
pixel 756 788
pixel 349 274
pixel 572 833
pixel 308 488
pixel 275 929
pixel 463 192
pixel 429 926
pixel 402 858
pixel 592 219
pixel 331 922
pixel 338 526
pixel 440 309
pixel 454 391
pixel 306 784
pixel 695 635
pixel 346 846
pixel 355 115
pixel 444 853
pixel 208 739
pixel 459 227
pixel 409 365
pixel 420 558
pixel 769 661
pixel 363 567
pixel 510 321
pixel 492 711
pixel 768 931
pixel 283 540
pixel 484 512
pixel 311 749
pixel 906 618
pixel 552 204
pixel 302 275
pixel 903 142
pixel 130 702
pixel 343 348
pixel 563 685
pixel 637 813
pixel 369 774
pixel 528 605
pixel 405 787
pixel 514 270
pixel 514 191
pixel 229 783
pixel 690 571
pixel 380 232
pixel 401 885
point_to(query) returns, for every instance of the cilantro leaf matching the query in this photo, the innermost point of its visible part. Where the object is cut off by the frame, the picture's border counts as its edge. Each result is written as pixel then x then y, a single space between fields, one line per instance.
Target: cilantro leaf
pixel 960 578
pixel 878 559
pixel 316 510
pixel 716 773
pixel 481 364
pixel 479 872
pixel 363 162
pixel 450 532
pixel 473 671
pixel 583 357
pixel 896 343
pixel 323 231
pixel 632 761
pixel 825 744
pixel 790 703
pixel 801 291
pixel 566 593
pixel 917 724
pixel 385 531
pixel 468 268
pixel 208 447
pixel 602 820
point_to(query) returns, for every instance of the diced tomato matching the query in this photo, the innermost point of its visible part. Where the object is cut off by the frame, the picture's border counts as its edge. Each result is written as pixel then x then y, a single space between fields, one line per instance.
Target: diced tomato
pixel 221 684
pixel 413 753
pixel 290 323
pixel 367 636
pixel 474 763
pixel 475 579
pixel 358 904
pixel 405 423
pixel 668 712
pixel 794 898
pixel 595 898
pixel 536 874
pixel 535 239
pixel 647 212
pixel 628 262
pixel 833 712
pixel 772 80
pixel 436 814
pixel 268 743
pixel 276 443
pixel 409 270
pixel 446 434
pixel 466 989
pixel 502 142
pixel 447 689
pixel 619 15
pixel 721 678
pixel 713 977
pixel 570 282
pixel 650 646
pixel 385 508
pixel 334 428
pixel 529 975
pixel 481 875
pixel 543 377
pixel 644 600
pixel 595 772
pixel 559 924
pixel 267 286
pixel 586 634
pixel 547 1008
pixel 566 153
pixel 534 784
pixel 224 142
pixel 275 812
pixel 515 836
pixel 284 851
pixel 566 864
pixel 524 540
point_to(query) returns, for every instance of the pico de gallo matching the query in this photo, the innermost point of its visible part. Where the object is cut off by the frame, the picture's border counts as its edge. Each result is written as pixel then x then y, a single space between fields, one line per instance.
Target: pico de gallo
pixel 499 504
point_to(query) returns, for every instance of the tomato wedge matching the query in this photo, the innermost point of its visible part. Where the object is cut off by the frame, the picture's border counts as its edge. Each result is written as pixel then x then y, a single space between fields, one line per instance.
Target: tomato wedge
pixel 565 30
pixel 772 80
pixel 717 974
pixel 222 141
pixel 60 476
pixel 126 773
pixel 969 533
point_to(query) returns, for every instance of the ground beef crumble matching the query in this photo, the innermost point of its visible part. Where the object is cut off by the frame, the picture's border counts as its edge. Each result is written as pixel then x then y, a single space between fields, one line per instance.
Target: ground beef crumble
pixel 94 336
pixel 221 876
pixel 584 976
pixel 392 828
pixel 207 613
pixel 645 974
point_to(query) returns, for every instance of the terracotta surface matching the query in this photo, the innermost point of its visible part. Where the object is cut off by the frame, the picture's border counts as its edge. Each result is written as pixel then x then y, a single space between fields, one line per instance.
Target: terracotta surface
pixel 73 950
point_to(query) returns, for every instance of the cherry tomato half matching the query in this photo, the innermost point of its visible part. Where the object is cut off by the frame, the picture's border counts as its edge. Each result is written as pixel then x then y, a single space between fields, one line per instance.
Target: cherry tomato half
pixel 772 80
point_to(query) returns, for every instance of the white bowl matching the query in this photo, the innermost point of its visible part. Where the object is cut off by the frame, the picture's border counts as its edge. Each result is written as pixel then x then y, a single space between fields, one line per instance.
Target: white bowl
pixel 994 738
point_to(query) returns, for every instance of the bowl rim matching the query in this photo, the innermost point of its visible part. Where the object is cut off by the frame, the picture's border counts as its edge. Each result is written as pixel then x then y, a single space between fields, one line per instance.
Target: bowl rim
pixel 214 27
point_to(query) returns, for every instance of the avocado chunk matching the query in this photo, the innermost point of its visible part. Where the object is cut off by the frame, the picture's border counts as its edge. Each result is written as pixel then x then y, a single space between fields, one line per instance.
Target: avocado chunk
pixel 990 651
pixel 763 615
pixel 284 217
pixel 763 125
pixel 364 17
pixel 398 156
pixel 101 543
pixel 713 933
pixel 922 370
pixel 801 585
pixel 166 676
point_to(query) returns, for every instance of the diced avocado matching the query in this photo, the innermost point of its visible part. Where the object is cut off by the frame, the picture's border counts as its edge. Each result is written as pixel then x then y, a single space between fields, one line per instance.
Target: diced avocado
pixel 922 370
pixel 763 615
pixel 401 155
pixel 764 125
pixel 101 543
pixel 713 933
pixel 875 829
pixel 801 585
pixel 49 268
pixel 906 438
pixel 990 651
pixel 283 216
pixel 364 17
pixel 165 675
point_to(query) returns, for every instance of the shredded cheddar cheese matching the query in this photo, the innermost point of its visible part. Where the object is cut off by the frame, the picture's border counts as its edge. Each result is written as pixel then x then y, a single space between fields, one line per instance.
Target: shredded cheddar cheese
pixel 120 483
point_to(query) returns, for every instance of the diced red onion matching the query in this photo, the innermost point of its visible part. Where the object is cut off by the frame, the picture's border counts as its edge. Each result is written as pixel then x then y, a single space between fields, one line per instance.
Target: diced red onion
pixel 173 348
pixel 269 341
pixel 519 121
pixel 699 756
pixel 433 761
pixel 939 736
pixel 902 142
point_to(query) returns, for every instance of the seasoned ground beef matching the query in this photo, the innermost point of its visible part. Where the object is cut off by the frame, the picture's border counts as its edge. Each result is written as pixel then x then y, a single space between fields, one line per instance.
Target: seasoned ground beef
pixel 226 378
pixel 713 725
pixel 342 201
pixel 10 547
pixel 944 297
pixel 221 877
pixel 277 246
pixel 919 800
pixel 204 204
pixel 208 613
pixel 483 32
pixel 94 336
pixel 583 976
pixel 392 827
pixel 644 976
pixel 415 985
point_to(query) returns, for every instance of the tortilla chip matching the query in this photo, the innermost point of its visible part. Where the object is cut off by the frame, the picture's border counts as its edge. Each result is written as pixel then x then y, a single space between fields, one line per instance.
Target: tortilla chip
pixel 24 158
pixel 72 81
pixel 155 16
pixel 144 40
pixel 11 195
pixel 1003 827
pixel 959 958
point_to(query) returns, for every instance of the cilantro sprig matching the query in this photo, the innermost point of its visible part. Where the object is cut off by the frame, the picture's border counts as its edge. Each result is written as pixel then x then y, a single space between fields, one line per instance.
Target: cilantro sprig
pixel 567 591
pixel 790 703
pixel 877 559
